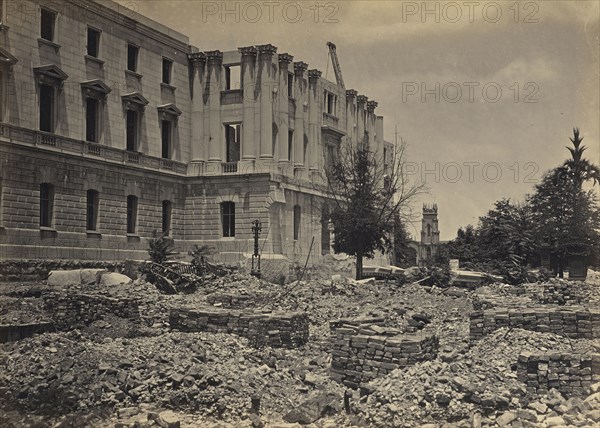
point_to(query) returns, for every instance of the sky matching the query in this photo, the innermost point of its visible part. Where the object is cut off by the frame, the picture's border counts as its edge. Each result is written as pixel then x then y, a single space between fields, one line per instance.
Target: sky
pixel 485 93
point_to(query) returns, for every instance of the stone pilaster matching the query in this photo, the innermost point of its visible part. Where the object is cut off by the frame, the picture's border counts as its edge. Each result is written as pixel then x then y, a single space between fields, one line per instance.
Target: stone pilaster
pixel 301 113
pixel 197 62
pixel 314 119
pixel 267 83
pixel 215 134
pixel 361 115
pixel 250 144
pixel 283 112
pixel 351 119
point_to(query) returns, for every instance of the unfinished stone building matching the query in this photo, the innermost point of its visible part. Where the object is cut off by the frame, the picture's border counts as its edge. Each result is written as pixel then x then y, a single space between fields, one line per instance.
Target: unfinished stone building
pixel 113 126
pixel 429 245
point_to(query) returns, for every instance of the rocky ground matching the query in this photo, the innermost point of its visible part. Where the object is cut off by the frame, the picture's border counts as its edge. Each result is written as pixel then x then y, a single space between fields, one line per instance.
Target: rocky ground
pixel 113 374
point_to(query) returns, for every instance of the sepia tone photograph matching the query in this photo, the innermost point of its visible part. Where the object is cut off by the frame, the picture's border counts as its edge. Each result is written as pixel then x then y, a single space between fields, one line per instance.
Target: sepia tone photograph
pixel 290 214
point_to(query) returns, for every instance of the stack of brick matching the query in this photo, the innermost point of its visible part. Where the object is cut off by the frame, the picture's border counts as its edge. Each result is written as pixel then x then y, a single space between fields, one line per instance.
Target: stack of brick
pixel 362 352
pixel 570 374
pixel 275 329
pixel 559 293
pixel 73 310
pixel 573 322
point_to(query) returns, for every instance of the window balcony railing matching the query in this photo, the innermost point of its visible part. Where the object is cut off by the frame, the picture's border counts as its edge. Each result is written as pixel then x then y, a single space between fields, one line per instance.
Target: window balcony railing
pixel 94 149
pixel 132 157
pixel 229 167
pixel 46 139
pixel 330 120
pixel 232 96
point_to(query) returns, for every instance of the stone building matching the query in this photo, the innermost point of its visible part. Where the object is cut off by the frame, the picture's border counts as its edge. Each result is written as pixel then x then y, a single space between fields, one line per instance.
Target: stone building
pixel 429 245
pixel 113 127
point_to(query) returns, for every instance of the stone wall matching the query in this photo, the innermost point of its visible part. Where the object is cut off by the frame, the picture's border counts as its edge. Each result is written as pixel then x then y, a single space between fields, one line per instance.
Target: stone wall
pixel 364 350
pixel 235 300
pixel 570 374
pixel 72 310
pixel 275 329
pixel 573 321
pixel 12 332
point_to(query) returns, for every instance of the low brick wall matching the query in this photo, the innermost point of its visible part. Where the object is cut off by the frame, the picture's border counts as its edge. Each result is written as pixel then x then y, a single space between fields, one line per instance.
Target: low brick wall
pixel 573 322
pixel 362 351
pixel 559 293
pixel 233 300
pixel 275 329
pixel 72 310
pixel 12 332
pixel 570 374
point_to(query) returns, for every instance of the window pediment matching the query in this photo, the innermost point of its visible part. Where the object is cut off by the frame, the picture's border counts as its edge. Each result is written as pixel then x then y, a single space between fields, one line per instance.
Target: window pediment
pixel 169 111
pixel 96 88
pixel 50 74
pixel 135 100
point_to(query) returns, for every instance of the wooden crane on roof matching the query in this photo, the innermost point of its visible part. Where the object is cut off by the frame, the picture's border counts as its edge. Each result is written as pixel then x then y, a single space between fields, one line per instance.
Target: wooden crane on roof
pixel 336 64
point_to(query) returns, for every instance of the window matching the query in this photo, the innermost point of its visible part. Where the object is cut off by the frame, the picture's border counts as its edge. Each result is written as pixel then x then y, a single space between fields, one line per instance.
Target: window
pixel 47 22
pixel 305 149
pixel 290 83
pixel 93 42
pixel 228 219
pixel 233 141
pixel 92 209
pixel 1 12
pixel 330 103
pixel 46 108
pixel 167 66
pixel 166 139
pixel 132 57
pixel 166 217
pixel 132 207
pixel 233 79
pixel 428 230
pixel 297 212
pixel 290 144
pixel 329 155
pixel 132 130
pixel 91 120
pixel 46 204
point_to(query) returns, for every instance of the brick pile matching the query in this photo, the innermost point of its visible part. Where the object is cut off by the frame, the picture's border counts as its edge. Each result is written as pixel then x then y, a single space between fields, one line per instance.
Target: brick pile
pixel 71 310
pixel 570 374
pixel 232 300
pixel 559 293
pixel 363 350
pixel 574 322
pixel 275 329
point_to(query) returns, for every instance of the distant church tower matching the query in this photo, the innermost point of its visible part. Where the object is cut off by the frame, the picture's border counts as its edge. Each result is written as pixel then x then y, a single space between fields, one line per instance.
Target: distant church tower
pixel 430 235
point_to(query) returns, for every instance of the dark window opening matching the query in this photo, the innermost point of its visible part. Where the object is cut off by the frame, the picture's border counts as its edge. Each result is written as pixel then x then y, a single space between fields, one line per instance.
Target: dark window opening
pixel 331 103
pixel 132 130
pixel 93 42
pixel 297 212
pixel 290 144
pixel 46 108
pixel 228 219
pixel 167 66
pixel 305 151
pixel 132 207
pixel 46 204
pixel 91 120
pixel 47 20
pixel 428 230
pixel 132 57
pixel 233 78
pixel 233 142
pixel 92 209
pixel 290 85
pixel 329 155
pixel 166 217
pixel 166 139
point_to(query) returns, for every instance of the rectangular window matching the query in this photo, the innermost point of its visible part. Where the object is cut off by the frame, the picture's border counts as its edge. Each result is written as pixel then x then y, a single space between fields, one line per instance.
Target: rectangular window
pixel 47 22
pixel 290 85
pixel 46 108
pixel 166 217
pixel 233 78
pixel 331 101
pixel 2 13
pixel 290 144
pixel 92 209
pixel 228 219
pixel 46 204
pixel 132 207
pixel 167 66
pixel 233 141
pixel 297 213
pixel 132 57
pixel 132 130
pixel 166 139
pixel 93 42
pixel 91 120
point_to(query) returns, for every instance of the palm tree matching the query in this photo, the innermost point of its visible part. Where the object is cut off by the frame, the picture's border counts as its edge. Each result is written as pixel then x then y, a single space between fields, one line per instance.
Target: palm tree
pixel 580 169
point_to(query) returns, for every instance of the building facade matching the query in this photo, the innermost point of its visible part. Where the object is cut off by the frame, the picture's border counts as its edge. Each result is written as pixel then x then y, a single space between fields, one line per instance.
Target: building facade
pixel 429 246
pixel 114 128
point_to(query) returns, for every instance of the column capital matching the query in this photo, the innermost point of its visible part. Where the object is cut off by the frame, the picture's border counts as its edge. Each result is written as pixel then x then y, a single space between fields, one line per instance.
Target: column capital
pixel 285 58
pixel 247 51
pixel 350 95
pixel 266 49
pixel 371 106
pixel 214 56
pixel 300 67
pixel 361 99
pixel 197 57
pixel 314 74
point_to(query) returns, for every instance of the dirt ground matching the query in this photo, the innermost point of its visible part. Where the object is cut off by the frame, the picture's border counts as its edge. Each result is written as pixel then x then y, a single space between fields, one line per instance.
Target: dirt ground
pixel 114 374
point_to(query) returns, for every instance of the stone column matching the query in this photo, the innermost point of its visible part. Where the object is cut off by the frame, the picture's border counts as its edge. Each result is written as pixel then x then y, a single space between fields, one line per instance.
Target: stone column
pixel 351 116
pixel 361 102
pixel 216 134
pixel 314 121
pixel 250 145
pixel 266 83
pixel 370 124
pixel 301 104
pixel 197 62
pixel 283 117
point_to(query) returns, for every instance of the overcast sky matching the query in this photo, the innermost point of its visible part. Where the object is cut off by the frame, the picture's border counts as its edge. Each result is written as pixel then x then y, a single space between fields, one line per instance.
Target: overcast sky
pixel 485 93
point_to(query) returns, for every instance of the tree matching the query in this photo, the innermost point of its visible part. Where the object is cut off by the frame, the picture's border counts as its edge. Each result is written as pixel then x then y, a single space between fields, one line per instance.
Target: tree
pixel 579 169
pixel 464 246
pixel 367 193
pixel 404 254
pixel 160 248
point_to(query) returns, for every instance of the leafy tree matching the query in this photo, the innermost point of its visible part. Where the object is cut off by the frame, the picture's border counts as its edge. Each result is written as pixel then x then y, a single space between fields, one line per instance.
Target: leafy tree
pixel 579 169
pixel 404 254
pixel 464 246
pixel 367 193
